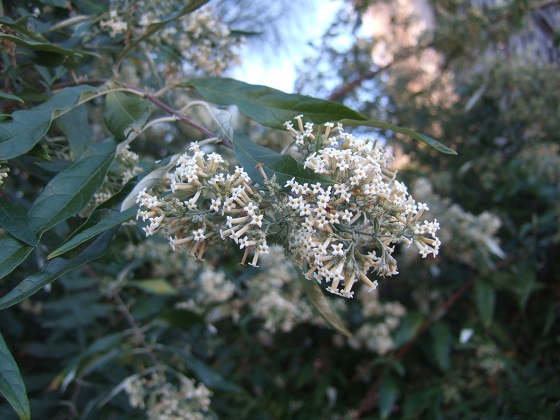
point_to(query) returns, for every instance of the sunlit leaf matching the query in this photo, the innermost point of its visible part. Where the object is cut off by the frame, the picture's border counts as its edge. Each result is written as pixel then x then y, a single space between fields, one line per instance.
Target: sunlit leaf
pixel 54 269
pixel 14 219
pixel 251 156
pixel 27 127
pixel 11 383
pixel 322 304
pixel 125 112
pixel 70 191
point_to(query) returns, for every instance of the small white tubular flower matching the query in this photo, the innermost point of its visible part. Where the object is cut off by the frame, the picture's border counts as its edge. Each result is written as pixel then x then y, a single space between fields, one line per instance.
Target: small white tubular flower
pixel 366 209
pixel 3 173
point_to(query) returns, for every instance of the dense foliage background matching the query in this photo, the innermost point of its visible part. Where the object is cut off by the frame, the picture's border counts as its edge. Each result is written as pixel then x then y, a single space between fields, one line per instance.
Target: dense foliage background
pixel 144 331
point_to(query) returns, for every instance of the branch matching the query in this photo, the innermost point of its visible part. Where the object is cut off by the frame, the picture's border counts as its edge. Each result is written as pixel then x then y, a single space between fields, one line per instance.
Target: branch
pixel 350 86
pixel 370 400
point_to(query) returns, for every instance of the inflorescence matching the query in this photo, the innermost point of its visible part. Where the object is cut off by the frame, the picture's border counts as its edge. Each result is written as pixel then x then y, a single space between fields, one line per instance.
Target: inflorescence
pixel 336 231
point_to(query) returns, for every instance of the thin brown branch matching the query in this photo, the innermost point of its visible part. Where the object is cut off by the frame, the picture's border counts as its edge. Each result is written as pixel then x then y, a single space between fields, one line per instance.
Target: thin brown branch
pixel 344 90
pixel 369 401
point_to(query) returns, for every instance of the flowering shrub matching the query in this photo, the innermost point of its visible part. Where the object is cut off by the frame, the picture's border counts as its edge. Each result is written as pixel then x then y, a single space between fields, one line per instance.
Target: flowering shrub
pixel 96 95
pixel 335 231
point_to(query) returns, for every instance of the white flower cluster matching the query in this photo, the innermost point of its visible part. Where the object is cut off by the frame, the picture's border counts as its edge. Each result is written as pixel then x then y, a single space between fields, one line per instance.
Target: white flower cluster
pixel 384 318
pixel 205 43
pixel 472 237
pixel 341 231
pixel 336 229
pixel 164 400
pixel 3 174
pixel 220 205
pixel 115 24
pixel 276 298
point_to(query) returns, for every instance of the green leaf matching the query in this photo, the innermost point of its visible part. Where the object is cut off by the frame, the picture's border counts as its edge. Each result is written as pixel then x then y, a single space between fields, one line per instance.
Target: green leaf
pixel 388 393
pixel 12 254
pixel 155 286
pixel 97 349
pixel 11 384
pixel 75 126
pixel 485 298
pixel 88 234
pixel 125 113
pixel 251 155
pixel 205 373
pixel 407 330
pixel 27 127
pixel 322 304
pixel 388 126
pixel 70 191
pixel 441 345
pixel 14 219
pixel 268 106
pixel 5 95
pixel 150 180
pixel 152 28
pixel 54 269
pixel 56 3
pixel 272 107
pixel 48 53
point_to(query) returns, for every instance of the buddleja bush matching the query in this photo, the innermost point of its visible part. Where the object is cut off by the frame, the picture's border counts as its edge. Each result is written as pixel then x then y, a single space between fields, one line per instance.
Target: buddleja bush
pixel 89 90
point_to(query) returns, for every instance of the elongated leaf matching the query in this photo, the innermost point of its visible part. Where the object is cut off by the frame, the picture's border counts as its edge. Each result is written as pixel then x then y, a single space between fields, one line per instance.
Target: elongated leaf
pixel 11 384
pixel 407 330
pixel 205 373
pixel 71 190
pixel 485 298
pixel 155 286
pixel 321 303
pixel 251 155
pixel 56 55
pixel 56 268
pixel 125 112
pixel 96 349
pixel 88 234
pixel 14 219
pixel 152 28
pixel 150 180
pixel 12 254
pixel 27 127
pixel 268 106
pixel 388 126
pixel 75 126
pixel 388 393
pixel 272 107
pixel 441 343
pixel 5 95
